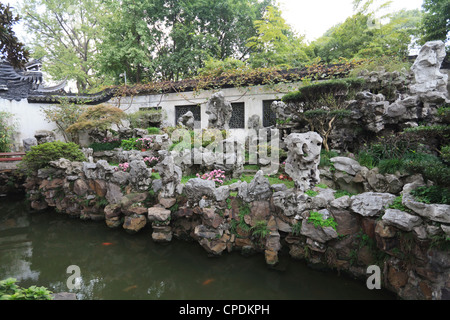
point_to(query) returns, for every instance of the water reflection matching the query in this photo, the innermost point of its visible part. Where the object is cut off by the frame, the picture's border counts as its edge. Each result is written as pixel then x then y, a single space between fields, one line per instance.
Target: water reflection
pixel 37 248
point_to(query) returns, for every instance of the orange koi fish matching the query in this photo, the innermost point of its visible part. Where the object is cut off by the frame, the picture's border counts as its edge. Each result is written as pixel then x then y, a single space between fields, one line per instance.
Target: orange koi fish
pixel 130 288
pixel 207 281
pixel 107 244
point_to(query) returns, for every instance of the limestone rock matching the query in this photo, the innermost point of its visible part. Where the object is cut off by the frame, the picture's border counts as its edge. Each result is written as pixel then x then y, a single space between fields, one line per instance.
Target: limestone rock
pixel 303 158
pixel 371 204
pixel 195 189
pixel 158 214
pixel 401 219
pixel 161 233
pixel 347 165
pixel 187 120
pixel 219 111
pixel 319 233
pixel 426 69
pixel 134 223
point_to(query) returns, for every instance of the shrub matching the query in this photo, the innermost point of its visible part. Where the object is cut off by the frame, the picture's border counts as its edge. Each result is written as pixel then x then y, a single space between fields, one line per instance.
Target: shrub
pixel 129 144
pixel 317 220
pixel 260 229
pixel 215 175
pixel 325 157
pixel 64 114
pixel 105 145
pixel 7 128
pixel 99 118
pixel 41 155
pixel 144 143
pixel 342 193
pixel 445 153
pixel 397 204
pixel 153 130
pixel 10 291
pixel 432 194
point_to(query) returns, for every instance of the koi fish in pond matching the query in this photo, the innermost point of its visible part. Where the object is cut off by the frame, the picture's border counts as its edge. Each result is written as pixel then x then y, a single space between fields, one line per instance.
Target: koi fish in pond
pixel 130 288
pixel 207 281
pixel 107 244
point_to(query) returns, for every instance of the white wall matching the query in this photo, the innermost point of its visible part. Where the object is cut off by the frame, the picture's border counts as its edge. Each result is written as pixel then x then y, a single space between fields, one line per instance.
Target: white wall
pixel 29 119
pixel 251 96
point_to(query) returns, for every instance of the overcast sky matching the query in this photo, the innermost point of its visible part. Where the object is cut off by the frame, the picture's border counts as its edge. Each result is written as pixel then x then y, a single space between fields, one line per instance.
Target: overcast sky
pixel 313 17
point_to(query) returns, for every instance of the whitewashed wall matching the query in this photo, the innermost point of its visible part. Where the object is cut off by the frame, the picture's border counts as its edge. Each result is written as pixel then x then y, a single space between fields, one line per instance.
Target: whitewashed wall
pixel 30 118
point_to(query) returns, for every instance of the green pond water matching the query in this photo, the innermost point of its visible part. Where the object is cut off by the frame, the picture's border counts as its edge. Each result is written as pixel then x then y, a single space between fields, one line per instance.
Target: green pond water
pixel 36 249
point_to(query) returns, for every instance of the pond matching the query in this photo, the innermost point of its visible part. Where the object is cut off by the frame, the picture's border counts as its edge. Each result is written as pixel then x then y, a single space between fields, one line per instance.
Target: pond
pixel 37 248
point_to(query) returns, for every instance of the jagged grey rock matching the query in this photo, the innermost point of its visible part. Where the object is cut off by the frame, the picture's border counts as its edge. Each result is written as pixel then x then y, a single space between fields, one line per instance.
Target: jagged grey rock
pixel 28 143
pixel 371 204
pixel 254 122
pixel 426 69
pixel 187 120
pixel 346 164
pixel 303 159
pixel 257 189
pixel 401 219
pixel 158 214
pixel 196 188
pixel 170 174
pixel 219 111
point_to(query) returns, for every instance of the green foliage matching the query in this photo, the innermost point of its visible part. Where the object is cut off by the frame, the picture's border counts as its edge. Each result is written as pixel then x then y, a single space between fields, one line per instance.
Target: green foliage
pixel 128 144
pixel 65 34
pixel 144 118
pixel 435 23
pixel 105 146
pixel 322 104
pixel 184 35
pixel 153 130
pixel 40 156
pixel 10 291
pixel 7 128
pixel 325 157
pixel 99 118
pixel 445 153
pixel 311 193
pixel 362 35
pixel 317 220
pixel 64 114
pixel 260 229
pixel 275 44
pixel 244 210
pixel 322 186
pixel 432 194
pixel 296 228
pixel 11 48
pixel 397 204
pixel 341 193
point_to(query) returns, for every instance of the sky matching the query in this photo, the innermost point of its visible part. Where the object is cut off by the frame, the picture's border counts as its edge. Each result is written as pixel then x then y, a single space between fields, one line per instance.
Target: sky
pixel 310 18
pixel 313 17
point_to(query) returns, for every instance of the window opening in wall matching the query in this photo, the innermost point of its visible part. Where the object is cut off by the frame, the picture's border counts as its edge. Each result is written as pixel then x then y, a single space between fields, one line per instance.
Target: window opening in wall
pixel 237 120
pixel 269 116
pixel 196 111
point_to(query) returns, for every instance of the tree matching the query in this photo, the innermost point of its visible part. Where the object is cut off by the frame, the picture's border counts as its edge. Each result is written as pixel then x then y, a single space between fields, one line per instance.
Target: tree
pixel 98 119
pixel 275 44
pixel 11 48
pixel 172 39
pixel 64 115
pixel 436 20
pixel 364 35
pixel 321 104
pixel 65 35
